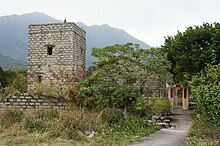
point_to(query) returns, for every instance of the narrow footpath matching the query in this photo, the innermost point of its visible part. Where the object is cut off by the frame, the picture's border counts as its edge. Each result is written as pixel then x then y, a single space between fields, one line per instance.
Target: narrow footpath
pixel 176 136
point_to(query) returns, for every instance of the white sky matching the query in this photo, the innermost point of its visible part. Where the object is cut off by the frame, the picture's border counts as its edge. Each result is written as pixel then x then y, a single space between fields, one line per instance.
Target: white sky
pixel 147 20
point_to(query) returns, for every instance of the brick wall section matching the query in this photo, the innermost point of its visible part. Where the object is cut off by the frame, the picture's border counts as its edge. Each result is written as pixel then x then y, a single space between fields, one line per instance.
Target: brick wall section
pixel 26 101
pixel 68 54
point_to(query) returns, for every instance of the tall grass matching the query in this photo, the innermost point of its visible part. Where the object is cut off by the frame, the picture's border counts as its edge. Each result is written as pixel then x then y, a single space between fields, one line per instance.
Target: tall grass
pixel 72 126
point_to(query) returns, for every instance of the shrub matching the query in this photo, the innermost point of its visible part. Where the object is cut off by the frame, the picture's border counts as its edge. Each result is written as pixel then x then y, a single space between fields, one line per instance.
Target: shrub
pixel 206 92
pixel 203 133
pixel 80 120
pixel 153 106
pixel 51 113
pixel 111 115
pixel 32 124
pixel 9 116
pixel 38 119
pixel 50 90
pixel 20 83
pixel 142 107
pixel 10 91
pixel 40 126
pixel 161 106
pixel 72 133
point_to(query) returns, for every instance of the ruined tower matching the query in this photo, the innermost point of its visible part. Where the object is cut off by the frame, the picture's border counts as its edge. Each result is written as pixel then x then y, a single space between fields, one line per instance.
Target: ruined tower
pixel 54 49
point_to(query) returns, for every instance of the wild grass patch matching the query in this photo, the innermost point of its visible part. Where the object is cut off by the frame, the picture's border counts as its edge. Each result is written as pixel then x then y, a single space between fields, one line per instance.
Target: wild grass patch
pixel 204 133
pixel 53 127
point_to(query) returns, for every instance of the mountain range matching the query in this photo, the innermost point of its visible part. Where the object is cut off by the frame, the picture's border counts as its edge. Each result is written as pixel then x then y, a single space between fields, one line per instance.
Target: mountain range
pixel 14 35
pixel 8 63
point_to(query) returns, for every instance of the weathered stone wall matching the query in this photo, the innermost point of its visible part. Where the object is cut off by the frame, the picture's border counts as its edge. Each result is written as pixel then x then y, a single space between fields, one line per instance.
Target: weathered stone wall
pixel 68 42
pixel 26 101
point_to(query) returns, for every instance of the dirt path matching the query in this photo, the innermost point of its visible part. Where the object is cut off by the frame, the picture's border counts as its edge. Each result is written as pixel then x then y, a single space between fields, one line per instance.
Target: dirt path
pixel 170 137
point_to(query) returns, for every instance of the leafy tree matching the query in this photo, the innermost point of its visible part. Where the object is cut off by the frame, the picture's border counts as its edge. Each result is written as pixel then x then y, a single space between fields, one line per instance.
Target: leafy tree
pixel 191 50
pixel 20 83
pixel 10 76
pixel 123 74
pixel 12 82
pixel 3 78
pixel 206 92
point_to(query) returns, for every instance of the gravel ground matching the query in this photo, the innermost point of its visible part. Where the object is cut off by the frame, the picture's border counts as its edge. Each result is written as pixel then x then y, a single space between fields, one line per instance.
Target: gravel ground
pixel 172 136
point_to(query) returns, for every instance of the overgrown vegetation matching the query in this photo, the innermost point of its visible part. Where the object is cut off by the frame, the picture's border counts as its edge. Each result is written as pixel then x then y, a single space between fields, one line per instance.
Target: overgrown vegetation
pixel 203 133
pixel 12 82
pixel 40 126
pixel 113 101
pixel 153 106
pixel 191 50
pixel 123 74
pixel 195 56
pixel 206 92
pixel 64 85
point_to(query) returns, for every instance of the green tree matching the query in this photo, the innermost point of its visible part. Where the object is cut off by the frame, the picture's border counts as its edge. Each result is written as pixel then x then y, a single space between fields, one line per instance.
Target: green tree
pixel 206 92
pixel 124 73
pixel 3 78
pixel 191 50
pixel 20 83
pixel 10 77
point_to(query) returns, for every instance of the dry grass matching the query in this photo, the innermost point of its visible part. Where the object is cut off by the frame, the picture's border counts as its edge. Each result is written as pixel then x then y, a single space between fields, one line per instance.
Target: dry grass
pixel 36 127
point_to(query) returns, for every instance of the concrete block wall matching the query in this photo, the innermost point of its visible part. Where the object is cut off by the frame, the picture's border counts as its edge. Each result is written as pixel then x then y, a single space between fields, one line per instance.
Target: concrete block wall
pixel 27 101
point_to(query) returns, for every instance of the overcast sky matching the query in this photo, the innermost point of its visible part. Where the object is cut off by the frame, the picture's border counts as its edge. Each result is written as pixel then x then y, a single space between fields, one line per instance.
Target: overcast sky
pixel 147 20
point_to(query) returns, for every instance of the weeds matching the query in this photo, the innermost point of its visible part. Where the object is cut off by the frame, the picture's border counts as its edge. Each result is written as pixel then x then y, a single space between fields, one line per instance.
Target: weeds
pixel 39 126
pixel 204 133
pixel 9 116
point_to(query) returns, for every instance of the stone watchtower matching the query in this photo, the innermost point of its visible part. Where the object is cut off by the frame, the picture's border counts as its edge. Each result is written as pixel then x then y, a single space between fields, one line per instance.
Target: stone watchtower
pixel 54 49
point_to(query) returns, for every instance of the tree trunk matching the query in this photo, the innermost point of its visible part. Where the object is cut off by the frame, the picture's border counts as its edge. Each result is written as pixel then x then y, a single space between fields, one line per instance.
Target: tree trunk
pixel 125 112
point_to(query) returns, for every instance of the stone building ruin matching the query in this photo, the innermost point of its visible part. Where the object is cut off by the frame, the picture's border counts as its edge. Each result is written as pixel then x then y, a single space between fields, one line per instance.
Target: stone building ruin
pixel 54 49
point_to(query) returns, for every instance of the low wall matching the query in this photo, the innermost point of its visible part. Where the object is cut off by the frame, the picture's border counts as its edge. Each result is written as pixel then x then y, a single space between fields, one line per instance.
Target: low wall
pixel 26 101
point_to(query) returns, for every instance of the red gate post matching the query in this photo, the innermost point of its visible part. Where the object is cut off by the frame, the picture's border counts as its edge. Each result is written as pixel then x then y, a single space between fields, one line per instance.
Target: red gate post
pixel 171 94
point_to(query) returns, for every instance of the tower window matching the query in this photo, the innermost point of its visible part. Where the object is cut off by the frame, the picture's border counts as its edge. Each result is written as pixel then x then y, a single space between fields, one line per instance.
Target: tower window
pixel 39 78
pixel 49 50
pixel 81 49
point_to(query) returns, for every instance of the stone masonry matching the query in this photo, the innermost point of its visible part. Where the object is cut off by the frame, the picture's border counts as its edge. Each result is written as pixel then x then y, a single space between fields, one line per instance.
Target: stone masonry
pixel 27 101
pixel 53 49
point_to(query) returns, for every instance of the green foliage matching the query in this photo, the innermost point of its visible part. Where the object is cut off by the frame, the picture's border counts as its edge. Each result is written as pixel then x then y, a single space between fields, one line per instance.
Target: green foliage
pixel 50 91
pixel 203 133
pixel 64 85
pixel 206 92
pixel 12 82
pixel 3 78
pixel 153 106
pixel 36 119
pixel 32 124
pixel 123 74
pixel 110 115
pixel 126 131
pixel 10 91
pixel 191 50
pixel 20 83
pixel 51 126
pixel 161 106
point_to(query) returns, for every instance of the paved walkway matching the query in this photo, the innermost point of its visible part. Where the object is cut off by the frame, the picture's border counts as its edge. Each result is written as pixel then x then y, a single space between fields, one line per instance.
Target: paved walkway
pixel 170 137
